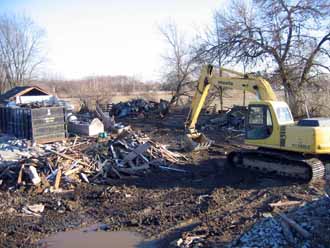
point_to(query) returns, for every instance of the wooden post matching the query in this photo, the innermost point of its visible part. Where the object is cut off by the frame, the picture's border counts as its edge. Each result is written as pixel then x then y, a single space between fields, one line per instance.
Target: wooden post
pixel 243 97
pixel 221 98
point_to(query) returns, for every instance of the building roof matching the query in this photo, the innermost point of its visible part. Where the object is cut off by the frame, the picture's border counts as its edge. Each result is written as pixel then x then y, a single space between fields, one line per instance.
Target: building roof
pixel 21 90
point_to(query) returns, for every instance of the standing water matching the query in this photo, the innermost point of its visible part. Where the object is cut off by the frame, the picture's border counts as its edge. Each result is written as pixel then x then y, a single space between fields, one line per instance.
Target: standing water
pixel 86 238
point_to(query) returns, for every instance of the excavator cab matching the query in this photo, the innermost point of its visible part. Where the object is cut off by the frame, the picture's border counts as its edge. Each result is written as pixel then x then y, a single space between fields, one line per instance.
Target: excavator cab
pixel 259 122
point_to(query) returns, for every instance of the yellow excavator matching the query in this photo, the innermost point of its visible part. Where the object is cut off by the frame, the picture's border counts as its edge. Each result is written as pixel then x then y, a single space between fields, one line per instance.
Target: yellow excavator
pixel 279 145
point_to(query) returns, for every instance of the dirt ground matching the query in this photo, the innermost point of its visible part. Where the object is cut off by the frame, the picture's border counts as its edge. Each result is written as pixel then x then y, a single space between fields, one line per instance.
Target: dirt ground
pixel 207 199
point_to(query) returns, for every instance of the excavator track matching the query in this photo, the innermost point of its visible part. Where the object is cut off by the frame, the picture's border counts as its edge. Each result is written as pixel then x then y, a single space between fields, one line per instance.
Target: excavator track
pixel 279 163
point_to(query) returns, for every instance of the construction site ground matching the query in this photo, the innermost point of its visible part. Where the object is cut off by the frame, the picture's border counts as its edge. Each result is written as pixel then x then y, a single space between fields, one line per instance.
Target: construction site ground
pixel 208 199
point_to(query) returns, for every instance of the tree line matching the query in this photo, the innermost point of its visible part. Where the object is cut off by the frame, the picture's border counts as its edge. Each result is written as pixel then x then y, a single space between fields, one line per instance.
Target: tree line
pixel 97 86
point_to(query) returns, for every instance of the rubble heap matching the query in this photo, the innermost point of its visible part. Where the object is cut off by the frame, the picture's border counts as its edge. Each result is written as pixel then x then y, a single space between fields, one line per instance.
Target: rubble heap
pixel 63 165
pixel 138 106
pixel 301 227
pixel 233 118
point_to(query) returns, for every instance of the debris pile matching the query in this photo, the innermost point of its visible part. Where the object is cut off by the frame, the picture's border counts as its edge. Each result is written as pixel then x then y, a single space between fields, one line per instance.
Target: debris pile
pixel 89 160
pixel 13 149
pixel 233 118
pixel 138 107
pixel 301 227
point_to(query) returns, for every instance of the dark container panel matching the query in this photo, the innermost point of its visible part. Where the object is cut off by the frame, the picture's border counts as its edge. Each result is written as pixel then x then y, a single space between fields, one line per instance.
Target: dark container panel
pixel 40 125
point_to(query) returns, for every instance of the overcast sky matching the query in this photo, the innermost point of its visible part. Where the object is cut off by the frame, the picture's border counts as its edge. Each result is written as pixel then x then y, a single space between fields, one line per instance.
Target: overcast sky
pixel 107 37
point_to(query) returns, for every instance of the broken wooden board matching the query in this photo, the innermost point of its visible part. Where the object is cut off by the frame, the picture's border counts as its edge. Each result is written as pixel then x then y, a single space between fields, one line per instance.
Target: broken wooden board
pixel 58 178
pixel 136 152
pixel 133 171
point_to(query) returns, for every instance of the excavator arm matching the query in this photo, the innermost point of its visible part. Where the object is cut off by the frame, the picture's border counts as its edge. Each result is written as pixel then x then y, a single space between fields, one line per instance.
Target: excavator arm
pixel 257 85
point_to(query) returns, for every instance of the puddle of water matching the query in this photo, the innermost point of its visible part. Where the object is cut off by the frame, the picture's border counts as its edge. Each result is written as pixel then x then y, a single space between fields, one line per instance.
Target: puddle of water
pixel 84 238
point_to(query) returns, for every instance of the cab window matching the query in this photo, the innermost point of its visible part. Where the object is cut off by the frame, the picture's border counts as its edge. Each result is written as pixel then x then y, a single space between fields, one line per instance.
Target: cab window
pixel 260 124
pixel 283 114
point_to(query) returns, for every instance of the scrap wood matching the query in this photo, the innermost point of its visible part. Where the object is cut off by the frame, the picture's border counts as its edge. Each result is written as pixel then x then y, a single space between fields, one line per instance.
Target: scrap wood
pixel 44 181
pixel 36 208
pixel 58 178
pixel 136 152
pixel 171 169
pixel 72 171
pixel 69 157
pixel 163 150
pixel 295 225
pixel 116 172
pixel 129 154
pixel 75 140
pixel 33 210
pixel 65 192
pixel 285 203
pixel 79 144
pixel 20 175
pixel 84 177
pixel 133 171
pixel 50 164
pixel 29 212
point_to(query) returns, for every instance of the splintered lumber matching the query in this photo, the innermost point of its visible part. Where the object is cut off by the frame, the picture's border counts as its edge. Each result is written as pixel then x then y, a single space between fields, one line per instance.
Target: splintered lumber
pixel 72 171
pixel 171 169
pixel 136 152
pixel 295 225
pixel 58 178
pixel 84 177
pixel 285 203
pixel 20 175
pixel 165 153
pixel 69 157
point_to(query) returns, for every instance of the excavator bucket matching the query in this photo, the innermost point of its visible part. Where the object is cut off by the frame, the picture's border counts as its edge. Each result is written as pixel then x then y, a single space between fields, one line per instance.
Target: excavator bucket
pixel 196 142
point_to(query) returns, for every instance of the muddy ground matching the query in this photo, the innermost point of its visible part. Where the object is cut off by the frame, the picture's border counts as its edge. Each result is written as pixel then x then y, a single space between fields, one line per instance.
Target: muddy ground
pixel 208 199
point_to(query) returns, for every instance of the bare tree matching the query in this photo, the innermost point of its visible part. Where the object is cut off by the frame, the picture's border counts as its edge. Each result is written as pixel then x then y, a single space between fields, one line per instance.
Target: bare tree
pixel 288 37
pixel 20 50
pixel 179 62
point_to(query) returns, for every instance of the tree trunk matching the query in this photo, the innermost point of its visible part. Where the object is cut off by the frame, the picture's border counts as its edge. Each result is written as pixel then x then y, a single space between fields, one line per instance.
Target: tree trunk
pixel 291 98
